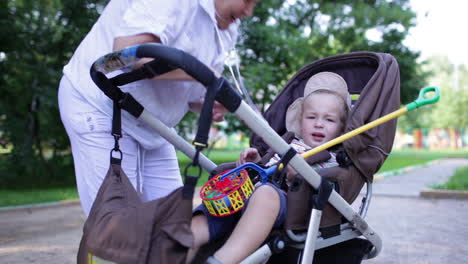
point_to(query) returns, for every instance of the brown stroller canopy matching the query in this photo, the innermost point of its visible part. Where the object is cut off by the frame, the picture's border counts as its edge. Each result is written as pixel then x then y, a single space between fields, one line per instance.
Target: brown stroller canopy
pixel 375 78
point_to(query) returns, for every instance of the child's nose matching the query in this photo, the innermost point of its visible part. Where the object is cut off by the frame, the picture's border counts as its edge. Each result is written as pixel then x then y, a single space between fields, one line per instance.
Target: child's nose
pixel 319 123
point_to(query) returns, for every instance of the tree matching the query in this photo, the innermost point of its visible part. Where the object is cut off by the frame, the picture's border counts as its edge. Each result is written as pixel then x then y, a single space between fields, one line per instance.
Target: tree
pixel 451 110
pixel 40 37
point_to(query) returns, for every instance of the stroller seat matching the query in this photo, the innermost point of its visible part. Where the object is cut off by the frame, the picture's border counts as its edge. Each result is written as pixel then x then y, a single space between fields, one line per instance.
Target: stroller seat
pixel 374 85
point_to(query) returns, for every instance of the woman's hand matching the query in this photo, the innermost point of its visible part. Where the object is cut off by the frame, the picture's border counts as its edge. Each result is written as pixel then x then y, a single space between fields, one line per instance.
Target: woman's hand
pixel 219 111
pixel 248 155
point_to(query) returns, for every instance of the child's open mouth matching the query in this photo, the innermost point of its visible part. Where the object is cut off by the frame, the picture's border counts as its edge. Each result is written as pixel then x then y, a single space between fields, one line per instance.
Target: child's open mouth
pixel 318 136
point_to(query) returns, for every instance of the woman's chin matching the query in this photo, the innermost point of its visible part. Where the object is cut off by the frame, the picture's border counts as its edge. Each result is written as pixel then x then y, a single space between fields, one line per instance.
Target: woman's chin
pixel 223 25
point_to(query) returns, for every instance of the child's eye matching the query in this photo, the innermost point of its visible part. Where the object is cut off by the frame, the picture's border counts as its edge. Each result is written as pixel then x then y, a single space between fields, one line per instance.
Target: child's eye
pixel 331 120
pixel 311 117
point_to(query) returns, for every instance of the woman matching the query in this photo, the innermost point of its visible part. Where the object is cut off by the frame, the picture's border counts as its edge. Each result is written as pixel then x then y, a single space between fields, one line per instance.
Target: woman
pixel 203 28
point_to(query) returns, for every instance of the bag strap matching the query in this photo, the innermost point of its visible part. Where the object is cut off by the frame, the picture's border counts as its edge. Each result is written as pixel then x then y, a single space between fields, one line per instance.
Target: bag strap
pixel 201 138
pixel 117 133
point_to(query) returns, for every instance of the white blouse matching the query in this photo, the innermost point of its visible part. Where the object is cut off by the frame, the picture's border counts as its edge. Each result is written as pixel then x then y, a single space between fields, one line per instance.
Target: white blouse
pixel 189 25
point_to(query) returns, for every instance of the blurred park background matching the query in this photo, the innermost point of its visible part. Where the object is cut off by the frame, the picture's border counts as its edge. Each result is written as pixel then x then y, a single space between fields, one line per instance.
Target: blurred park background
pixel 38 38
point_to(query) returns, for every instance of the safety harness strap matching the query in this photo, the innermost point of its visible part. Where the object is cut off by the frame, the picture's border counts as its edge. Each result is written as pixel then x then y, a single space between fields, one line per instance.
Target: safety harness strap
pixel 278 178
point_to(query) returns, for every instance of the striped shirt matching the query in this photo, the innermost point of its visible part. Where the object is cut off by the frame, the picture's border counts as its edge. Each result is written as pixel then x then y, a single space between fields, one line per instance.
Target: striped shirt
pixel 300 147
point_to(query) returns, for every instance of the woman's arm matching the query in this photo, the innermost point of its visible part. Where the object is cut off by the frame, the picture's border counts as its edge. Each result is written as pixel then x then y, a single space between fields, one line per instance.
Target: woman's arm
pixel 127 41
pixel 176 75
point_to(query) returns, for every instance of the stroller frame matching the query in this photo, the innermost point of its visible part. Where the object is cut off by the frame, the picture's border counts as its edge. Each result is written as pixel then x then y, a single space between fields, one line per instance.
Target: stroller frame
pixel 356 227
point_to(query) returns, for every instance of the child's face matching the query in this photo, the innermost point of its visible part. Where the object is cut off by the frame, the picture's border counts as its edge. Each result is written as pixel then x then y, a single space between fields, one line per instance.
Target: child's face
pixel 321 119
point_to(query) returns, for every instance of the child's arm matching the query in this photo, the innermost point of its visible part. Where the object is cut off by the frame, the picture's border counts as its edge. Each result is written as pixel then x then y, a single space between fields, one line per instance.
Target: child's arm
pixel 291 173
pixel 314 160
pixel 248 155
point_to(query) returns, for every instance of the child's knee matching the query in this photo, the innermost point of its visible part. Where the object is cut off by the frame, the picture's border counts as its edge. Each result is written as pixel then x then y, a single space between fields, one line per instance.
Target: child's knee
pixel 267 194
pixel 201 233
pixel 267 191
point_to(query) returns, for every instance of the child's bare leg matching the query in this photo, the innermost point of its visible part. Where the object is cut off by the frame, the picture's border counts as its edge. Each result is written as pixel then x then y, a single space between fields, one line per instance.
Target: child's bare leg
pixel 201 235
pixel 253 227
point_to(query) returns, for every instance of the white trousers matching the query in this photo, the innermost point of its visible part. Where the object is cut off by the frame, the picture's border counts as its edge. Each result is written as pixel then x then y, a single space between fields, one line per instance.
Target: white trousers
pixel 153 173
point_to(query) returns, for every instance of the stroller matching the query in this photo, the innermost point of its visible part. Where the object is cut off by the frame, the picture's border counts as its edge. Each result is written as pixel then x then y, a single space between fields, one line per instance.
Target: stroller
pixel 122 229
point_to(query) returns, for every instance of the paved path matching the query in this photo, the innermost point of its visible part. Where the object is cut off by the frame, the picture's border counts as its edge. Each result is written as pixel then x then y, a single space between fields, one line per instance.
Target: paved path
pixel 420 231
pixel 49 235
pixel 412 182
pixel 414 230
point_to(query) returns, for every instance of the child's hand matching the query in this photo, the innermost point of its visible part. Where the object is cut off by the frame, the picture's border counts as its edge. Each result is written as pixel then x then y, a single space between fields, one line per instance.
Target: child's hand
pixel 248 155
pixel 290 173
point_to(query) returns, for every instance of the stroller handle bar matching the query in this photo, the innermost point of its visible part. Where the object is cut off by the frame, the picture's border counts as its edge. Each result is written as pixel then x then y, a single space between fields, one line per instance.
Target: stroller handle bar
pixel 165 60
pixel 171 57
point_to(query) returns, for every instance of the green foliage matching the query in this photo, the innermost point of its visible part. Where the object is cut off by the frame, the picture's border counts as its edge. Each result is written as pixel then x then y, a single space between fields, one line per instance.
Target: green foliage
pixel 35 196
pixel 281 38
pixel 451 110
pixel 40 37
pixel 459 181
pixel 398 162
pixel 403 158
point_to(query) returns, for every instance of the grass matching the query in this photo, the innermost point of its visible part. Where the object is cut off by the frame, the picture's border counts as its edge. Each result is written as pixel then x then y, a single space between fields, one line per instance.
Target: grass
pixel 397 159
pixel 404 158
pixel 459 181
pixel 436 154
pixel 21 197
